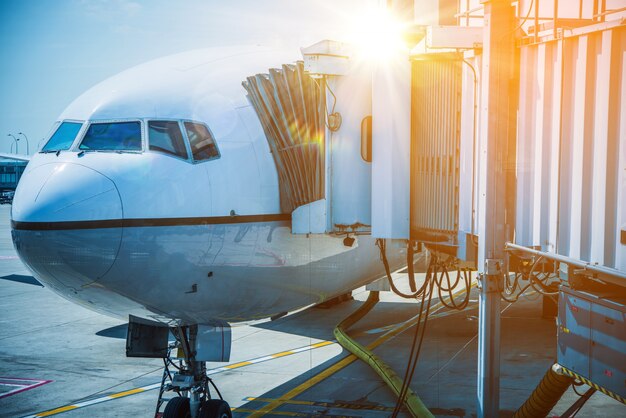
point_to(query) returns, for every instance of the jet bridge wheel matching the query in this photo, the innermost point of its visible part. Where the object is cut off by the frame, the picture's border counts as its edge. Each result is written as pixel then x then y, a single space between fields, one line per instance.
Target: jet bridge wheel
pixel 215 408
pixel 177 407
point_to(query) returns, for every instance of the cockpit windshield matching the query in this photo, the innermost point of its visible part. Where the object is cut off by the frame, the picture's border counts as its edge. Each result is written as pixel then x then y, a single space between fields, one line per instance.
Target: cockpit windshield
pixel 165 136
pixel 114 136
pixel 202 143
pixel 63 137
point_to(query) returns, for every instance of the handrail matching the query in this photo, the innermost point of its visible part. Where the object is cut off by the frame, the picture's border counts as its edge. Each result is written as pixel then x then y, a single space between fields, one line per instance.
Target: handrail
pixel 610 11
pixel 468 12
pixel 609 274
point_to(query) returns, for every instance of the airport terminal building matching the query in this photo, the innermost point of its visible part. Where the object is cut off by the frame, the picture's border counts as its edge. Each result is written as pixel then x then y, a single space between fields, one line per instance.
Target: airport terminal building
pixel 10 173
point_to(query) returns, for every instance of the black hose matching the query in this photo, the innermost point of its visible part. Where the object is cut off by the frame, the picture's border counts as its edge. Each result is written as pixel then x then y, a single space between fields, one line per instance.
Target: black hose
pixel 215 387
pixel 410 267
pixel 415 347
pixel 383 256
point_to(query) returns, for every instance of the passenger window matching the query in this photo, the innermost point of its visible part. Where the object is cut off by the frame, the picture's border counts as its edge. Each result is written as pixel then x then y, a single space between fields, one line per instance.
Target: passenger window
pixel 63 137
pixel 165 136
pixel 117 136
pixel 202 143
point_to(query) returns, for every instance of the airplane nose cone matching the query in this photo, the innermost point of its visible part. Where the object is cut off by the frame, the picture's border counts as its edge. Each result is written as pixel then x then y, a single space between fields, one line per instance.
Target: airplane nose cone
pixel 65 192
pixel 57 216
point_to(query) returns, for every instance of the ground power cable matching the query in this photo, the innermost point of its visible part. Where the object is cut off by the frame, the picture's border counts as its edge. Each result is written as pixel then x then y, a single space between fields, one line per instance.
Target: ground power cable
pixel 411 355
pixel 401 387
pixel 437 271
pixel 538 285
pixel 380 243
pixel 415 348
pixel 413 403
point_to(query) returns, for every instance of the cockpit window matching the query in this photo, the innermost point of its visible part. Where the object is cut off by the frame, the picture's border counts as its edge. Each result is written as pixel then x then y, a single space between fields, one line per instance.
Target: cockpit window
pixel 116 136
pixel 63 137
pixel 202 143
pixel 165 136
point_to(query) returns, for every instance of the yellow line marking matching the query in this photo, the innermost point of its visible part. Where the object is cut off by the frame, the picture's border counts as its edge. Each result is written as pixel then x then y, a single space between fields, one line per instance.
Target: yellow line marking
pixel 329 404
pixel 156 385
pixel 57 411
pixel 298 390
pixel 285 413
pixel 283 354
pixel 277 402
pixel 324 374
pixel 126 393
pixel 290 401
pixel 323 344
pixel 238 365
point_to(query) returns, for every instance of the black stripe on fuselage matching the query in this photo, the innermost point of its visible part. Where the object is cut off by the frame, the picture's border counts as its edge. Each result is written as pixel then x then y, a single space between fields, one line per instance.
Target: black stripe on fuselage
pixel 148 222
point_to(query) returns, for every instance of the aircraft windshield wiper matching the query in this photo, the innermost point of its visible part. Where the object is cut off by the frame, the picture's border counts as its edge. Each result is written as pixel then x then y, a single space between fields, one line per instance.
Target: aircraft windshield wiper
pixel 51 151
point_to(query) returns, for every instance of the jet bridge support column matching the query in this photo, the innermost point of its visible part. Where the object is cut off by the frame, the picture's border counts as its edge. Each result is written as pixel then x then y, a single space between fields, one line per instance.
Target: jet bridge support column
pixel 496 130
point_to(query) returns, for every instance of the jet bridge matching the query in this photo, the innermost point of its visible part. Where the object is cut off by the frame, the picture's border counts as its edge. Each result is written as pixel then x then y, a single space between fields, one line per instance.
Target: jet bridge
pixel 499 129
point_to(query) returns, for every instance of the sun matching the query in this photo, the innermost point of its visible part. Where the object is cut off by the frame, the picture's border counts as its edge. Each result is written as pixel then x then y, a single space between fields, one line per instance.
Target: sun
pixel 377 35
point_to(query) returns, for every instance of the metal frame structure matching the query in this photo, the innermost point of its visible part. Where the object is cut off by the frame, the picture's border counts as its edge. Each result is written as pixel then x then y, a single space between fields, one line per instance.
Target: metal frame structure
pixel 495 191
pixel 495 137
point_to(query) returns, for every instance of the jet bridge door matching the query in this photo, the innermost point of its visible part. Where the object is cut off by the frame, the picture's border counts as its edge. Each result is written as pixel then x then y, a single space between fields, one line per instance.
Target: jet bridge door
pixel 436 84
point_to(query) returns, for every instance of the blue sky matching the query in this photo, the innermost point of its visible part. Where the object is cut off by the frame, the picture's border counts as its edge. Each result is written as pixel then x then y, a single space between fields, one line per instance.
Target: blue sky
pixel 53 50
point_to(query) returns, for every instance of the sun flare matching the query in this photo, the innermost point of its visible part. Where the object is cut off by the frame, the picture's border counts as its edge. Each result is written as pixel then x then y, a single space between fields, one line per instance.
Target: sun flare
pixel 377 34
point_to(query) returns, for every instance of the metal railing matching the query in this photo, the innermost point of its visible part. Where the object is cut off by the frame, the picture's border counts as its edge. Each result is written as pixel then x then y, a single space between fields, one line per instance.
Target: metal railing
pixel 608 274
pixel 599 14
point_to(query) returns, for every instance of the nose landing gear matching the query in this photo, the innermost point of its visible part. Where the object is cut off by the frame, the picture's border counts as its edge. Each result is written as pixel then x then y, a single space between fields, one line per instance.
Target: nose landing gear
pixel 186 357
pixel 190 382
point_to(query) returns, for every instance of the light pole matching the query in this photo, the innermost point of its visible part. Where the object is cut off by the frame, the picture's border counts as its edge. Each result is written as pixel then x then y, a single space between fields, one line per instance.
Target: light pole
pixel 27 144
pixel 16 144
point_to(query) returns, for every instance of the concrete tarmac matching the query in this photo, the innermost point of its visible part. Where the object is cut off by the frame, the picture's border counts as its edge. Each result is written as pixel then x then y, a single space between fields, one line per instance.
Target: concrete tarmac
pixel 60 359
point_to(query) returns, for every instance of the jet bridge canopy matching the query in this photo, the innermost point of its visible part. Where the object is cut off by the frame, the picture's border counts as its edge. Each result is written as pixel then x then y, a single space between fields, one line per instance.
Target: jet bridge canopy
pixel 290 106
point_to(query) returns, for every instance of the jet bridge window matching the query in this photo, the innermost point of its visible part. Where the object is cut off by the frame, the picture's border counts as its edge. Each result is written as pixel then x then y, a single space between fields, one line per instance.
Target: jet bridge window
pixel 63 137
pixel 165 136
pixel 202 143
pixel 115 136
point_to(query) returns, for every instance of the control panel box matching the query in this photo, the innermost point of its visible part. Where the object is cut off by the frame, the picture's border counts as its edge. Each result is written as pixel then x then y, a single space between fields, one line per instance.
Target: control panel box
pixel 592 337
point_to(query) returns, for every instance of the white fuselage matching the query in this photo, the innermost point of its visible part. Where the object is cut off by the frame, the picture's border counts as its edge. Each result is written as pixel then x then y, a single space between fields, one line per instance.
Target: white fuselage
pixel 168 238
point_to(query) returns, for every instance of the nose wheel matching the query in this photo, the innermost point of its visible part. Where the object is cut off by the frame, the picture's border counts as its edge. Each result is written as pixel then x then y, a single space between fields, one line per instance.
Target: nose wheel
pixel 215 408
pixel 178 407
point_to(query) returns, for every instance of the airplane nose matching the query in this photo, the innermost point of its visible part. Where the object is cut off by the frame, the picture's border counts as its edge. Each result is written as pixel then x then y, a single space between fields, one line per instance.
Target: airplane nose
pixel 57 217
pixel 65 192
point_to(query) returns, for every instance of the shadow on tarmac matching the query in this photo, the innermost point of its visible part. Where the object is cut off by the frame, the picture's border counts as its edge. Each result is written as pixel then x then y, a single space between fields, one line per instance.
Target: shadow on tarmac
pixel 19 278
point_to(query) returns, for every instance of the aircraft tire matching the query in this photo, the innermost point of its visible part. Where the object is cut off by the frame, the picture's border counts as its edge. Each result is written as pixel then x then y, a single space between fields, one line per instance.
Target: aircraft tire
pixel 177 407
pixel 215 408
